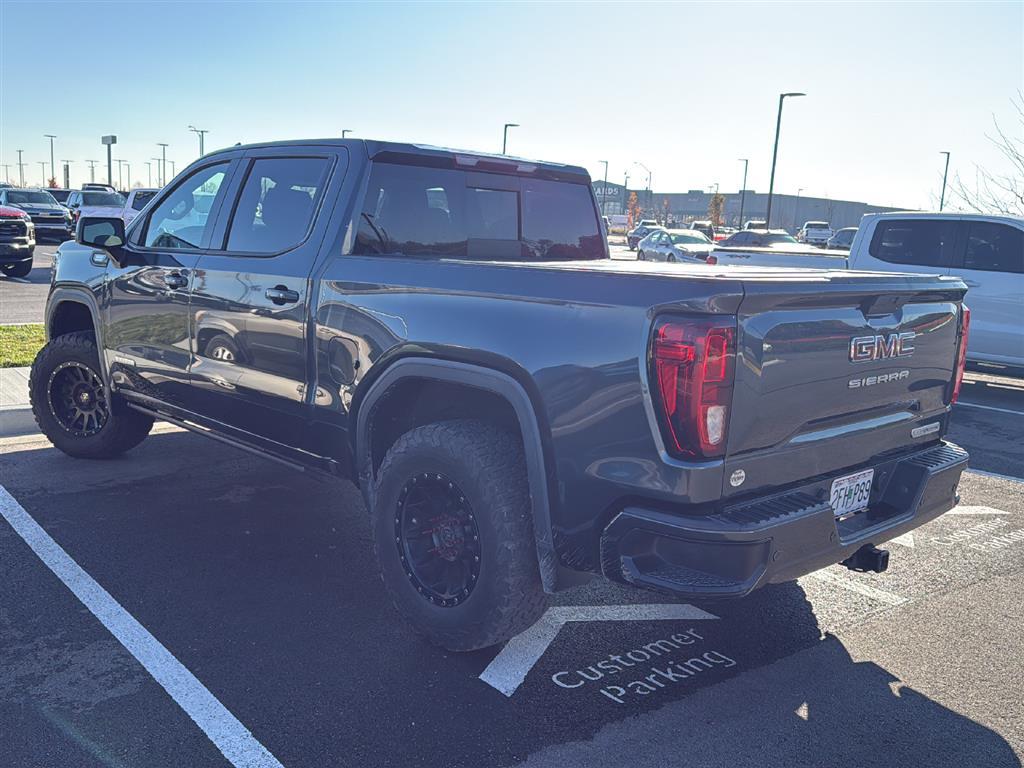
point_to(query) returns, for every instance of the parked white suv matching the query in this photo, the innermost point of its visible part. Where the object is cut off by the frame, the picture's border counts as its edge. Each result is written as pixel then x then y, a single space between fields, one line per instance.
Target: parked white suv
pixel 986 251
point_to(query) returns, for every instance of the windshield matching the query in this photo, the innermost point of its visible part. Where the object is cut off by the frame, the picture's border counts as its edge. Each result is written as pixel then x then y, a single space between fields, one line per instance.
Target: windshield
pixel 771 239
pixel 695 239
pixel 111 199
pixel 28 197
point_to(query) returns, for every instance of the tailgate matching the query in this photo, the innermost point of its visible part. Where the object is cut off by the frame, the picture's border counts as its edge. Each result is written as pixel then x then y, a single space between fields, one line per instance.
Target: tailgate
pixel 834 373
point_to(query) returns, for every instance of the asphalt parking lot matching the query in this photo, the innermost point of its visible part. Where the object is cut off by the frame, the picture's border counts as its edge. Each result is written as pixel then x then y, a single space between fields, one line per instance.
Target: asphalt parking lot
pixel 259 584
pixel 23 299
pixel 190 605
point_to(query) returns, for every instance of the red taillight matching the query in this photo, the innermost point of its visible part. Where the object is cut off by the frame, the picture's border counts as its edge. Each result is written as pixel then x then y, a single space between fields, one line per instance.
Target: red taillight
pixel 961 354
pixel 692 365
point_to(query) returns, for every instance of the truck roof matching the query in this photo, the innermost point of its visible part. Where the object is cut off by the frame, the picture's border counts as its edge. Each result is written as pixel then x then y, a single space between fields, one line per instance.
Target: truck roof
pixel 425 154
pixel 974 216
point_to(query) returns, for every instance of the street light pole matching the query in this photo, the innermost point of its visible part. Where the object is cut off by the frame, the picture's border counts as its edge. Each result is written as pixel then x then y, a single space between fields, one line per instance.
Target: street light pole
pixel 200 132
pixel 7 172
pixel 53 168
pixel 172 168
pixel 92 169
pixel 345 131
pixel 604 189
pixel 775 155
pixel 128 166
pixel 650 192
pixel 149 174
pixel 67 173
pixel 42 164
pixel 163 160
pixel 945 173
pixel 159 178
pixel 21 170
pixel 796 207
pixel 504 136
pixel 743 189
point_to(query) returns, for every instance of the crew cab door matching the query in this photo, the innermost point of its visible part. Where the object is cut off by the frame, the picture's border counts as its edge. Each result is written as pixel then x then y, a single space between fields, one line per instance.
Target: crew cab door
pixel 146 338
pixel 250 295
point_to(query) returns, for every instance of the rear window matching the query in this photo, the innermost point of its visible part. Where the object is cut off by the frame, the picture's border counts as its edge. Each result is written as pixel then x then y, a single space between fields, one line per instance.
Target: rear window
pixel 920 242
pixel 141 198
pixel 103 199
pixel 420 211
pixel 994 248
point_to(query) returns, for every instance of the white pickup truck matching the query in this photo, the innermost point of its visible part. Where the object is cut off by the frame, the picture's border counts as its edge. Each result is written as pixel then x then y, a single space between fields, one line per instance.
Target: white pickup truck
pixel 986 251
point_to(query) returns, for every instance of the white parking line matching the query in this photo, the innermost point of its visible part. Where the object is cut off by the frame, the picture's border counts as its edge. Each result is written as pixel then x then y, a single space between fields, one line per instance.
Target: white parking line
pixel 990 408
pixel 855 586
pixel 509 668
pixel 232 738
pixel 996 475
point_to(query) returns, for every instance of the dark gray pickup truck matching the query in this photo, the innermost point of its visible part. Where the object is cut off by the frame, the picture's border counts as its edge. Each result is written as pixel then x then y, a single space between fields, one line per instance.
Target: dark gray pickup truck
pixel 446 328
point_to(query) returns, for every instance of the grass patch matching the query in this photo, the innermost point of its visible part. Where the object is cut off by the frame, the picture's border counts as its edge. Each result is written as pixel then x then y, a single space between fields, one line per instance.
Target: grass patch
pixel 19 344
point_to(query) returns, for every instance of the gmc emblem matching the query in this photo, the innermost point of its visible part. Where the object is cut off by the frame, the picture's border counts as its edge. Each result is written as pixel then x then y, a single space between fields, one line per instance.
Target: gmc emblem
pixel 864 349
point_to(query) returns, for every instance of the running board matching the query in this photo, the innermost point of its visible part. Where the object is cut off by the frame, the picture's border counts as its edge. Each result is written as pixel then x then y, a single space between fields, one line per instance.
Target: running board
pixel 201 430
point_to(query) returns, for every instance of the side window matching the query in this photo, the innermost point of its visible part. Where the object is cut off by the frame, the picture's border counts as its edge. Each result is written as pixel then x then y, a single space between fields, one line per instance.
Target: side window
pixel 141 198
pixel 919 242
pixel 994 247
pixel 277 203
pixel 182 218
pixel 741 238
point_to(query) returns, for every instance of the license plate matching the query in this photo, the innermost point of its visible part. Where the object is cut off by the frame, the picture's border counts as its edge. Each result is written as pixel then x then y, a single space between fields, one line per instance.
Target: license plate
pixel 851 493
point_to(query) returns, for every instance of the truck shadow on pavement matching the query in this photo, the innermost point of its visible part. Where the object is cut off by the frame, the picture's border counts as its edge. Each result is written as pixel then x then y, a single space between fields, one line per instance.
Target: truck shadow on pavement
pixel 262 582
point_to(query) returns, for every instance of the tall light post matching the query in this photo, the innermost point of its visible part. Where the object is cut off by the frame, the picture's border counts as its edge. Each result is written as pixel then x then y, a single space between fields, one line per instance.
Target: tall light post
pixel 163 160
pixel 504 136
pixel 345 132
pixel 945 173
pixel 200 132
pixel 650 192
pixel 7 172
pixel 796 207
pixel 92 169
pixel 53 168
pixel 42 164
pixel 128 167
pixel 67 173
pixel 159 178
pixel 149 174
pixel 120 184
pixel 743 188
pixel 775 156
pixel 172 168
pixel 625 193
pixel 604 189
pixel 21 169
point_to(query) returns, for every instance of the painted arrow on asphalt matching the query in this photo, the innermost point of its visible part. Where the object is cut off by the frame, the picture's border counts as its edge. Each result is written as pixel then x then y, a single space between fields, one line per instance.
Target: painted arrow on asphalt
pixel 510 667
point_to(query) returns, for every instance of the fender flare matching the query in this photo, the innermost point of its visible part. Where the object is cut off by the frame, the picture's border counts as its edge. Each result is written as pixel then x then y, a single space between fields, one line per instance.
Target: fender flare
pixel 62 294
pixel 490 380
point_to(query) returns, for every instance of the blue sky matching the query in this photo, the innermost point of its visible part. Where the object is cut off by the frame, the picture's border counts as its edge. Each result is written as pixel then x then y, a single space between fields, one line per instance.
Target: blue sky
pixel 685 89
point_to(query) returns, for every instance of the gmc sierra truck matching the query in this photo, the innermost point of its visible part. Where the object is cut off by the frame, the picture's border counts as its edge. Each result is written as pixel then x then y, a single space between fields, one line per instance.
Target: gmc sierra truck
pixel 446 329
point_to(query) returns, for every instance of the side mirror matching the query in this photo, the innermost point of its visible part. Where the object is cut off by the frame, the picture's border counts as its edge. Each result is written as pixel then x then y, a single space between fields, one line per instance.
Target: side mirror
pixel 104 233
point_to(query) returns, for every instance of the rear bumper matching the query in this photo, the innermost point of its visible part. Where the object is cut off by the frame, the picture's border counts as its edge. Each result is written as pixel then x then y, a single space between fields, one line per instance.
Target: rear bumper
pixel 778 537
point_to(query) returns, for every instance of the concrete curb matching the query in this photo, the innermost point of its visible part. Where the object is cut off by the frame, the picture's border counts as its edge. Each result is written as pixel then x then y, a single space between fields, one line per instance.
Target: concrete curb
pixel 16 420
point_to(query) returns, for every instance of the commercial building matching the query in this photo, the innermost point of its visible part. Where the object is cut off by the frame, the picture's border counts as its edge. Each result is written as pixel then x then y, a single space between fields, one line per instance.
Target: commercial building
pixel 788 211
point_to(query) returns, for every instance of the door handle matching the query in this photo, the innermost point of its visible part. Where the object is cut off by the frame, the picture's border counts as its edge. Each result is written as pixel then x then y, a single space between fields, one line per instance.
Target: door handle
pixel 175 280
pixel 281 295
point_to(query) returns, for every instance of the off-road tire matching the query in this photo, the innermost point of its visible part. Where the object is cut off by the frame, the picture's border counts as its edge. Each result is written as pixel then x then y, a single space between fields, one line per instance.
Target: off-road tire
pixel 488 467
pixel 124 427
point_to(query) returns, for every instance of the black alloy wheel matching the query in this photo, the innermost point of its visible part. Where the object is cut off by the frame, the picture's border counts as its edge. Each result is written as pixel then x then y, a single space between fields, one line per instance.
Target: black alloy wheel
pixel 77 399
pixel 438 539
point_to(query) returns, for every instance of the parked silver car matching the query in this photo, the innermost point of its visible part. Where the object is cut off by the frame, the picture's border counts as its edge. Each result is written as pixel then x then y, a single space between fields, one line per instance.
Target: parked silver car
pixel 842 239
pixel 675 245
